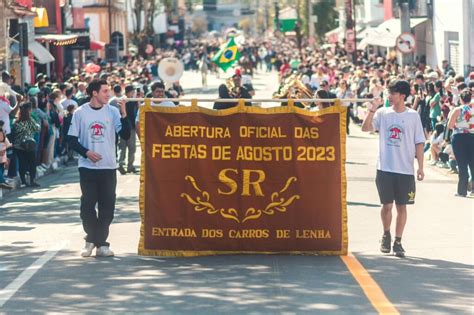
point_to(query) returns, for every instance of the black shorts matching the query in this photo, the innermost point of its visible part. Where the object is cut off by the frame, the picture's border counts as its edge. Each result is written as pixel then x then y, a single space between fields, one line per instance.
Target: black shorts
pixel 394 186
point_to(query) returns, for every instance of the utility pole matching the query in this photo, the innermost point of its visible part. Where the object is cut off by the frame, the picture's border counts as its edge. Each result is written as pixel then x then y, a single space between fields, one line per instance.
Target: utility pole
pixel 277 16
pixel 468 9
pixel 110 20
pixel 309 9
pixel 298 25
pixel 354 54
pixel 109 12
pixel 258 17
pixel 407 59
pixel 350 41
pixel 23 39
pixel 267 14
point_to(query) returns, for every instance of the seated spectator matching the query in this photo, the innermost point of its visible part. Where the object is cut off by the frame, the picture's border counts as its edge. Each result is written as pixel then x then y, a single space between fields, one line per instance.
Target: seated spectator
pixel 447 156
pixel 436 143
pixel 4 145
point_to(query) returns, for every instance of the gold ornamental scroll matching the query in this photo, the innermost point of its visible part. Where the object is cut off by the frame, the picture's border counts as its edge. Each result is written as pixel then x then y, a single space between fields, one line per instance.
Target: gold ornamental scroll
pixel 244 180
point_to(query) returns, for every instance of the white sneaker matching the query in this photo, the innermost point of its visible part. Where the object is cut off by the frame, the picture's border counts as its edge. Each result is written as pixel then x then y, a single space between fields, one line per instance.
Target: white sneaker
pixel 104 251
pixel 87 250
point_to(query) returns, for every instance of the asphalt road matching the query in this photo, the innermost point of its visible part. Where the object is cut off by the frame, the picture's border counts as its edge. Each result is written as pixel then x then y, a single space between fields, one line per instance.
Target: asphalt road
pixel 41 270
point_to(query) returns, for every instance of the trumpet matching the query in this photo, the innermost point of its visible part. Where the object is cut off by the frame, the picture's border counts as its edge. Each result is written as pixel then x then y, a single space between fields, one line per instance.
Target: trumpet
pixel 293 87
pixel 234 91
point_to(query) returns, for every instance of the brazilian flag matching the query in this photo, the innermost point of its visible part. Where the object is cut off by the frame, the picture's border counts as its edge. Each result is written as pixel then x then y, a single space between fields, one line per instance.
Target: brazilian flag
pixel 227 55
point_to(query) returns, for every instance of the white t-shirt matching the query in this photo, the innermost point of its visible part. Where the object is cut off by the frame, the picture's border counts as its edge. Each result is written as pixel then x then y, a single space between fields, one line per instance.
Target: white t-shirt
pixel 66 102
pixel 5 110
pixel 96 131
pixel 316 79
pixel 437 139
pixel 398 135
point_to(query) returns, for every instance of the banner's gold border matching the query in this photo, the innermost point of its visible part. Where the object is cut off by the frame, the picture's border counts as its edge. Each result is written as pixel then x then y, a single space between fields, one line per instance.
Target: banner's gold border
pixel 336 109
pixel 145 108
pixel 342 138
pixel 194 108
pixel 194 253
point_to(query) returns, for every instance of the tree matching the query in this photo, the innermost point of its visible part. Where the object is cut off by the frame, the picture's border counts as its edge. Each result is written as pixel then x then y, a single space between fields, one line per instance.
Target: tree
pixel 245 24
pixel 327 16
pixel 199 25
pixel 137 10
pixel 144 13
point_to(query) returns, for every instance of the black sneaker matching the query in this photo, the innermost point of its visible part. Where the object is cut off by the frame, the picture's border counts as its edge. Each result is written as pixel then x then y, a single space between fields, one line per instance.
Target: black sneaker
pixel 122 170
pixel 398 249
pixel 132 170
pixel 385 243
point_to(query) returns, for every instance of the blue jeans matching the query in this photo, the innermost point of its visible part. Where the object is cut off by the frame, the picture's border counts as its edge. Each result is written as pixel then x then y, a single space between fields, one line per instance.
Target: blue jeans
pixel 2 170
pixel 463 148
pixel 11 155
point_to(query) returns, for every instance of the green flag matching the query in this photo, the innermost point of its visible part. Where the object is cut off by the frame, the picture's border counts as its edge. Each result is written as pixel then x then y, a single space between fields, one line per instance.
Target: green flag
pixel 227 55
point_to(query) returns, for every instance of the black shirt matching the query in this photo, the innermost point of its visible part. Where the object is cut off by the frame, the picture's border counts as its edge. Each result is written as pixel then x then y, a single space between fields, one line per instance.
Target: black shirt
pixel 132 109
pixel 224 93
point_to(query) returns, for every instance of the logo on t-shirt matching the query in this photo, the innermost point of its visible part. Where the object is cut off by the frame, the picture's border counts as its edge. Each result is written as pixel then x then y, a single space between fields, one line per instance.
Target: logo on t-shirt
pixel 97 130
pixel 394 135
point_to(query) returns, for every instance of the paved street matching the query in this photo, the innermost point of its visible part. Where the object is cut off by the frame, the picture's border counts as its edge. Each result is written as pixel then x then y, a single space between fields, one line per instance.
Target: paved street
pixel 41 236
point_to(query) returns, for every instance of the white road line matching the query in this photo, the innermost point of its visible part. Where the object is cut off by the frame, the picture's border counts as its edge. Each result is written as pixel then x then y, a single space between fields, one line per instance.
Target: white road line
pixel 29 272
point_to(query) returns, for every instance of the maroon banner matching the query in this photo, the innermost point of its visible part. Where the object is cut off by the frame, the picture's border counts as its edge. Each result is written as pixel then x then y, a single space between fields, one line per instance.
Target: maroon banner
pixel 242 180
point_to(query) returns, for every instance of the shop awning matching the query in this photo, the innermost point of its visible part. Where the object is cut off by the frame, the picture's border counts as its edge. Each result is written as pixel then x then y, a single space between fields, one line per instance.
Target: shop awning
pixel 337 34
pixel 386 34
pixel 42 55
pixel 96 45
pixel 393 26
pixel 57 39
pixel 333 35
pixel 21 8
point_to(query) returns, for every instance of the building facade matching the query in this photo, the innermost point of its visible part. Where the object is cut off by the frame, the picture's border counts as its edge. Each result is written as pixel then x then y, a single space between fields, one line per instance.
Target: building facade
pixel 450 35
pixel 103 20
pixel 442 29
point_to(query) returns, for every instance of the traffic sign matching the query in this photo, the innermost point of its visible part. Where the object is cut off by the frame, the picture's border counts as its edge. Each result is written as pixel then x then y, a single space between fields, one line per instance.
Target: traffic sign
pixel 350 35
pixel 350 46
pixel 111 53
pixel 406 43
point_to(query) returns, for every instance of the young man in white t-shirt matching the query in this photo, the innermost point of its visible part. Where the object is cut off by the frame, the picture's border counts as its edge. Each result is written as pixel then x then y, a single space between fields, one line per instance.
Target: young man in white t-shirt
pixel 68 100
pixel 92 134
pixel 401 140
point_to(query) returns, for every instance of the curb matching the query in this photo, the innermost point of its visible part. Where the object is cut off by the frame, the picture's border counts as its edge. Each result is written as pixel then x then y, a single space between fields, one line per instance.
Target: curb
pixel 40 172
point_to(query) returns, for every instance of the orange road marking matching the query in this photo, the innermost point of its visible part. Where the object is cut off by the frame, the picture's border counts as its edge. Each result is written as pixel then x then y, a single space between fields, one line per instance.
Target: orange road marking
pixel 371 289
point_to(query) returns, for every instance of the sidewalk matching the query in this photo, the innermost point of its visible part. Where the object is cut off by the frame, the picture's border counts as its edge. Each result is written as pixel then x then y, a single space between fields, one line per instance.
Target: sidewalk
pixel 40 172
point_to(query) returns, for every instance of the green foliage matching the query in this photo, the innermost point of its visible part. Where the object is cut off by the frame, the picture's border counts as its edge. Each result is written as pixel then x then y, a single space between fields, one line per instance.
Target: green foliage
pixel 327 17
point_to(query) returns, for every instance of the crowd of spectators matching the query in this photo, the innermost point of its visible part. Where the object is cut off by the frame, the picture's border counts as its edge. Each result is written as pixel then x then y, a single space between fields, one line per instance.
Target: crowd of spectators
pixel 36 118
